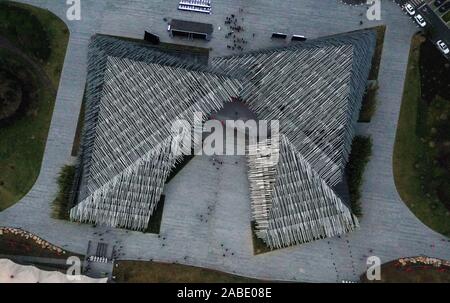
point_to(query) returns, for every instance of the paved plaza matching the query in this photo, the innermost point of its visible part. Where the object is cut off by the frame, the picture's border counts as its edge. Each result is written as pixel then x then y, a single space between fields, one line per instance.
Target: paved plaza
pixel 211 228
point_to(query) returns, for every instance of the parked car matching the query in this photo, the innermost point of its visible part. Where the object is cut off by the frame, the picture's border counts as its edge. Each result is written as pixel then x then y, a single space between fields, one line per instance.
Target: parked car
pixel 443 47
pixel 444 7
pixel 438 2
pixel 410 9
pixel 420 20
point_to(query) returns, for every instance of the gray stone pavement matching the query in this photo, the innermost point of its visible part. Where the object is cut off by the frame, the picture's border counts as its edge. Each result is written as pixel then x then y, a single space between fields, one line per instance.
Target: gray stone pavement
pixel 388 229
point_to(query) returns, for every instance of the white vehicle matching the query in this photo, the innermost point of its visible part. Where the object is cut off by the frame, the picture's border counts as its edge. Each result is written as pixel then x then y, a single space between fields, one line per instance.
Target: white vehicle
pixel 410 9
pixel 168 28
pixel 443 47
pixel 419 19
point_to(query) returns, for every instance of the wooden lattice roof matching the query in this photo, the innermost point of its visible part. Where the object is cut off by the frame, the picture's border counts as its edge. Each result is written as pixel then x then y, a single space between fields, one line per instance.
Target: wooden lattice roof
pixel 134 93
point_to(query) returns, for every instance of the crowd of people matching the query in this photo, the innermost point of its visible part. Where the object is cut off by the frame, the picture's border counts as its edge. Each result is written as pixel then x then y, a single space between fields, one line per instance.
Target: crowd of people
pixel 235 29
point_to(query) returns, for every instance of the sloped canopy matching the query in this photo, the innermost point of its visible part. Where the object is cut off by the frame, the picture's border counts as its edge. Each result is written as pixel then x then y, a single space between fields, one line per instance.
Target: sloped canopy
pixel 134 93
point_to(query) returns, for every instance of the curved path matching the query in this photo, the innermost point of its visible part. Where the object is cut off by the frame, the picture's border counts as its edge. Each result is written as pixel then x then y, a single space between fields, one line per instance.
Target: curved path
pixel 388 230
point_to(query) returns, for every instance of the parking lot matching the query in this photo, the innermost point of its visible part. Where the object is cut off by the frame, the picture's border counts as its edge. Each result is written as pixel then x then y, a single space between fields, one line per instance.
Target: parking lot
pixel 441 8
pixel 436 19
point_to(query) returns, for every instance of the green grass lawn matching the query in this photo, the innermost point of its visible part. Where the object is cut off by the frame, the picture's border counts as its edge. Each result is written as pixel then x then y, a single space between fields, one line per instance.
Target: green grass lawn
pixel 22 142
pixel 57 38
pixel 411 160
pixel 153 272
pixel 22 28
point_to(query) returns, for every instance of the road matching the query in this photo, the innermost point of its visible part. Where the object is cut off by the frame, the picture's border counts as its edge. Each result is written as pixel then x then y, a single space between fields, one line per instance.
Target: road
pixel 388 229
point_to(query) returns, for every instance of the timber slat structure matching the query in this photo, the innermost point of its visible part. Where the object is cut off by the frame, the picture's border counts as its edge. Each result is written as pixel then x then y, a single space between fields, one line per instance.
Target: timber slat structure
pixel 134 94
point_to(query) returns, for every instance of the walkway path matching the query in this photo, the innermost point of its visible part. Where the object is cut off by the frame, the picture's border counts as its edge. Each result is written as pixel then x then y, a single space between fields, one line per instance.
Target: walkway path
pixel 388 230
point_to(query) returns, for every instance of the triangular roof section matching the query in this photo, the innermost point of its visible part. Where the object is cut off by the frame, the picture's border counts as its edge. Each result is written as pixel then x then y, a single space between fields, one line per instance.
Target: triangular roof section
pixel 139 103
pixel 291 203
pixel 127 156
pixel 101 48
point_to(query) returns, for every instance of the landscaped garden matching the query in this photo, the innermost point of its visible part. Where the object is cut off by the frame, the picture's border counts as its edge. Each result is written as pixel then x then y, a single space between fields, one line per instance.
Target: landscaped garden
pixel 17 242
pixel 414 270
pixel 32 48
pixel 422 148
pixel 25 248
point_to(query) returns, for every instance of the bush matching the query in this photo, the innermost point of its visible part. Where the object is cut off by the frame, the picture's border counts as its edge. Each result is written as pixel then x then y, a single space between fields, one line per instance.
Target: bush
pixel 368 106
pixel 359 157
pixel 62 203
